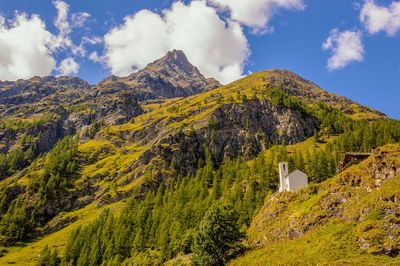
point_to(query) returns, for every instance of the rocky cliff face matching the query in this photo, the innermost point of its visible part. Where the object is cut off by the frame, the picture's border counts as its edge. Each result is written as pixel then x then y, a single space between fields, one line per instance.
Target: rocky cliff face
pixel 229 131
pixel 239 119
pixel 41 88
pixel 45 109
pixel 169 77
pixel 49 108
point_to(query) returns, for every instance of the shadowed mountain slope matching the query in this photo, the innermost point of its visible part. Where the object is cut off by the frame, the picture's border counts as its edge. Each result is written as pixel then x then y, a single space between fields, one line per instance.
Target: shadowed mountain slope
pixel 169 77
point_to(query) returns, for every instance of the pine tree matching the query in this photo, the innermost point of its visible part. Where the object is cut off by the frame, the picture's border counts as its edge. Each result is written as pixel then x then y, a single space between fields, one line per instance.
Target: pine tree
pixel 218 237
pixel 217 186
pixel 48 257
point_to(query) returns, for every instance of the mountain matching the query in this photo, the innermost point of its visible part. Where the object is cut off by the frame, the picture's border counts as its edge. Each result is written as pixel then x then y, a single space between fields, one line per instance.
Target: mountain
pixel 129 181
pixel 310 93
pixel 48 91
pixel 46 109
pixel 169 77
pixel 38 112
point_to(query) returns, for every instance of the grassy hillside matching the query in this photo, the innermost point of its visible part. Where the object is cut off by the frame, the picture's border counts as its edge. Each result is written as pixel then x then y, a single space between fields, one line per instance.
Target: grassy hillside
pixel 135 159
pixel 28 253
pixel 194 109
pixel 349 219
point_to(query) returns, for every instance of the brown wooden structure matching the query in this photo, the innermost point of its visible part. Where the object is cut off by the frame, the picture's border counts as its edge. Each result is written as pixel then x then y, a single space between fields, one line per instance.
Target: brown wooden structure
pixel 351 158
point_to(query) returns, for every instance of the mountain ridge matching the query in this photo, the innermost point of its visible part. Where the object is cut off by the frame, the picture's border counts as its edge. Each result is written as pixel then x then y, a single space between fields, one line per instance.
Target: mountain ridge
pixel 139 158
pixel 170 76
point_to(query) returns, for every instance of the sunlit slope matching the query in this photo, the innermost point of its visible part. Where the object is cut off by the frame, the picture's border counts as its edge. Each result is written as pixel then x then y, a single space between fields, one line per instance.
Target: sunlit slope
pixel 349 219
pixel 193 110
pixel 28 253
pixel 310 93
pixel 124 159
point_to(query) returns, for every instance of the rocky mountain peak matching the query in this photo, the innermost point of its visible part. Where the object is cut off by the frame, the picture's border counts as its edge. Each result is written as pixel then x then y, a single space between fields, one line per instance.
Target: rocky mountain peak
pixel 173 75
pixel 177 56
pixel 177 60
pixel 173 65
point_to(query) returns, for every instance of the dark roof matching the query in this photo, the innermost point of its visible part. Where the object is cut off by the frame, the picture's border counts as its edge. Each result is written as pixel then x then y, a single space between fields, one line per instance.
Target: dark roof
pixel 359 153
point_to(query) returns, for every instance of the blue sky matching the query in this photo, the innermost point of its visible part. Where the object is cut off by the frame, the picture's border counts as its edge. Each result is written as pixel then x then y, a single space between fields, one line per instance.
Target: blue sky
pixel 366 67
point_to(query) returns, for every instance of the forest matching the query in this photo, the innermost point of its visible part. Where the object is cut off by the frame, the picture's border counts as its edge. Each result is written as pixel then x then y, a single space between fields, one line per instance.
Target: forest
pixel 172 220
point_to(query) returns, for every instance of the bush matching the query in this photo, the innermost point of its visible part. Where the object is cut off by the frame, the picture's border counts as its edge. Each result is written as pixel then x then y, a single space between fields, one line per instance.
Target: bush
pixel 212 123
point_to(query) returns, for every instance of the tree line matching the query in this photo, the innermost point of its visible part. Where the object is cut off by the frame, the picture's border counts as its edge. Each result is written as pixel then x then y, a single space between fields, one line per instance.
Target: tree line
pixel 168 222
pixel 22 212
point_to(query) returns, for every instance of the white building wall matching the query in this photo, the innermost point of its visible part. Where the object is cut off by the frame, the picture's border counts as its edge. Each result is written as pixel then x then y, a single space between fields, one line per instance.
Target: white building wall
pixel 296 180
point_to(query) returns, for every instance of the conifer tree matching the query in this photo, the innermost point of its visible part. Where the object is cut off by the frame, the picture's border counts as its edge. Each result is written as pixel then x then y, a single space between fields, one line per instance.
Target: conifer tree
pixel 48 257
pixel 219 236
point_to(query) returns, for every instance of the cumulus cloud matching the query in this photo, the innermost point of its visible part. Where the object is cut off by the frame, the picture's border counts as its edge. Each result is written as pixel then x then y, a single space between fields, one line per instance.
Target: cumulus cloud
pixel 140 40
pixel 257 13
pixel 346 47
pixel 379 18
pixel 218 48
pixel 68 66
pixel 25 48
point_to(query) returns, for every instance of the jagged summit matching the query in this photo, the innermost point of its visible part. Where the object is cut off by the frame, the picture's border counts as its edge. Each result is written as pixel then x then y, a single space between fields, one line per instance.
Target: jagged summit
pixel 176 59
pixel 173 64
pixel 51 81
pixel 36 89
pixel 170 76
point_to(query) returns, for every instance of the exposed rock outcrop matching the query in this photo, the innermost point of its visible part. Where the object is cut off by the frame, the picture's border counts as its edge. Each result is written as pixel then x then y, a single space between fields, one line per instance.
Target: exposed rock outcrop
pixel 169 77
pixel 44 110
pixel 229 131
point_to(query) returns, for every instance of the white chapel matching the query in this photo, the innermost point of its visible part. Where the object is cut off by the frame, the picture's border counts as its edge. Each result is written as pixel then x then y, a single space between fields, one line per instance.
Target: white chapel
pixel 293 181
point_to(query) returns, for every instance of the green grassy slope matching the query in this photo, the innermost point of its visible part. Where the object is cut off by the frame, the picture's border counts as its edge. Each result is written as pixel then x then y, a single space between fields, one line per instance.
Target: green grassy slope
pixel 350 219
pixel 107 160
pixel 27 253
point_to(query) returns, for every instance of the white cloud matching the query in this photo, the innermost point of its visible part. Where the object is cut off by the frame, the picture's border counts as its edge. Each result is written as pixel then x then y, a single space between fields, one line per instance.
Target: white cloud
pixel 81 48
pixel 257 13
pixel 95 57
pixel 92 39
pixel 216 47
pixel 346 47
pixel 79 19
pixel 62 24
pixel 25 48
pixel 379 18
pixel 68 67
pixel 140 40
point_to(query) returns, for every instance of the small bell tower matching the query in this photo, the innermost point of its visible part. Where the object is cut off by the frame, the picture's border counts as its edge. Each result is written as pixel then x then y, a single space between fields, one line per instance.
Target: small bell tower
pixel 283 172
